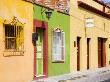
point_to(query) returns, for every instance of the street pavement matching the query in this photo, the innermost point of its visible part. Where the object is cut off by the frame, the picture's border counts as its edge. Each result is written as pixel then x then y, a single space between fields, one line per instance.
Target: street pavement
pixel 94 75
pixel 106 80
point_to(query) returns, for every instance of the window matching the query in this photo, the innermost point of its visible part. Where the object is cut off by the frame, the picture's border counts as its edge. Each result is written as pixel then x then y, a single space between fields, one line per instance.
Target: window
pixel 14 38
pixel 58 45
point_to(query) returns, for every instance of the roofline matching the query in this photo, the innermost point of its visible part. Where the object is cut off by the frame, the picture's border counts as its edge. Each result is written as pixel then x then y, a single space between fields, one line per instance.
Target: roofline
pixel 46 7
pixel 93 9
pixel 103 4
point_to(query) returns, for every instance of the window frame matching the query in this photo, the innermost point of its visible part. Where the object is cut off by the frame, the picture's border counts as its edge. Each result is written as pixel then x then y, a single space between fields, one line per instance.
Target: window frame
pixel 62 54
pixel 17 51
pixel 17 31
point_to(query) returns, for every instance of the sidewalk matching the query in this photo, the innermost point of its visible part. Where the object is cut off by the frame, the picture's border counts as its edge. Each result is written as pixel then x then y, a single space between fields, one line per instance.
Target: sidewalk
pixel 96 75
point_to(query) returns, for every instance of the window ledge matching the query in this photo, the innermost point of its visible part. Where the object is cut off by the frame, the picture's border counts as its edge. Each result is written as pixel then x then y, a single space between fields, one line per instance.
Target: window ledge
pixel 58 61
pixel 8 53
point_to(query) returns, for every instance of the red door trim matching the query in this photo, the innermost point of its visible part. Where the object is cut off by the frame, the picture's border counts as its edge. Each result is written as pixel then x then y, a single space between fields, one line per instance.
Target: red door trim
pixel 41 24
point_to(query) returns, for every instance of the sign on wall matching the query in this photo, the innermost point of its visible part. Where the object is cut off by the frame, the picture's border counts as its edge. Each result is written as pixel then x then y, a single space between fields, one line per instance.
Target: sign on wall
pixel 89 22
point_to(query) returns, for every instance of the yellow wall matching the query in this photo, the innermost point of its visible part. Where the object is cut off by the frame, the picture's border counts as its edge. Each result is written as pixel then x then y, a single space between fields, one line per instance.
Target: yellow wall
pixel 77 28
pixel 17 68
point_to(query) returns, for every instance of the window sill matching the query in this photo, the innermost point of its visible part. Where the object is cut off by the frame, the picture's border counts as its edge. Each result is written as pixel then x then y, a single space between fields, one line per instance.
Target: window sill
pixel 8 53
pixel 58 61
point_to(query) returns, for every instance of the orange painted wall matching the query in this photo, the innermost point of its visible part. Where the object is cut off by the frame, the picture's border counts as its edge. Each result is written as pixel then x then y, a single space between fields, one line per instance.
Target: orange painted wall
pixel 17 68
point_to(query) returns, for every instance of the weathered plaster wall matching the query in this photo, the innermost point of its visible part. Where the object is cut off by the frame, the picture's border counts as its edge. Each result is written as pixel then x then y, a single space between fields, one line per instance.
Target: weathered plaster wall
pixel 77 28
pixel 57 20
pixel 17 68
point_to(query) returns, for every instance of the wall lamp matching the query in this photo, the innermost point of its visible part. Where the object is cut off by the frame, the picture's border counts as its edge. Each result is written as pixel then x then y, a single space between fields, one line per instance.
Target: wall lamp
pixel 48 12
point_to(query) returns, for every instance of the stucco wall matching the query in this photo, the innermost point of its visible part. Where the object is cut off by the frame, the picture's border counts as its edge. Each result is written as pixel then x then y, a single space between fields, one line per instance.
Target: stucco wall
pixel 17 68
pixel 90 2
pixel 77 28
pixel 57 20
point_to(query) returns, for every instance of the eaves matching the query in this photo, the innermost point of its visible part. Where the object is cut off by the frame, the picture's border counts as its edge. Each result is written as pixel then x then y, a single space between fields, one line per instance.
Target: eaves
pixel 92 9
pixel 31 1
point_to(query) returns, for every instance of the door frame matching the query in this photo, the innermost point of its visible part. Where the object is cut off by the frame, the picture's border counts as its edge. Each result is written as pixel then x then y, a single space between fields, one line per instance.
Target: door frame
pixel 44 25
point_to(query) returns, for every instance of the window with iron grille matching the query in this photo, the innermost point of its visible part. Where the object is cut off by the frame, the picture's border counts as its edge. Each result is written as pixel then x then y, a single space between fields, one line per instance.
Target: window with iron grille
pixel 58 45
pixel 14 39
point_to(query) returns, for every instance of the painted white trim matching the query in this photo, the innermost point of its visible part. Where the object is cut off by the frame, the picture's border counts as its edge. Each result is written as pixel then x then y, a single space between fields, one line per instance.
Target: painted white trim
pixel 54 58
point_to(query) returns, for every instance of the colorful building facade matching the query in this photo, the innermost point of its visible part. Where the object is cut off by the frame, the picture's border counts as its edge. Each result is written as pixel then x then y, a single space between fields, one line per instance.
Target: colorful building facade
pixel 16 27
pixel 89 32
pixel 33 46
pixel 40 39
pixel 58 45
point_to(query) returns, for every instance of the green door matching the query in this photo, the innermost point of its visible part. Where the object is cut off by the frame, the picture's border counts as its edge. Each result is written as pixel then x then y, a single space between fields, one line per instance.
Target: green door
pixel 39 53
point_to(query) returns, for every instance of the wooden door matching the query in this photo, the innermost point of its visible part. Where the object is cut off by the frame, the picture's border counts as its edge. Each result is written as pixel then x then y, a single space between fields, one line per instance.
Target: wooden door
pixel 39 53
pixel 101 52
pixel 40 49
pixel 104 52
pixel 78 53
pixel 88 51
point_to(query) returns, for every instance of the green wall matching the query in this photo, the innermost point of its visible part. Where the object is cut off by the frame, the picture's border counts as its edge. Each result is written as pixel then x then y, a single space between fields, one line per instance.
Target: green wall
pixel 57 20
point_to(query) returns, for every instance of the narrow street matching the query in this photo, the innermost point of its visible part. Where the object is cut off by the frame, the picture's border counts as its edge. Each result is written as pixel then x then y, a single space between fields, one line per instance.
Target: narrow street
pixel 106 80
pixel 96 75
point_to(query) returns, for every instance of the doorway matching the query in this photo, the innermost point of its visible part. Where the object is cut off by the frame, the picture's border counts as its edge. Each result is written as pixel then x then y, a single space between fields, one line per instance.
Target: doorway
pixel 39 53
pixel 40 49
pixel 101 52
pixel 88 52
pixel 78 53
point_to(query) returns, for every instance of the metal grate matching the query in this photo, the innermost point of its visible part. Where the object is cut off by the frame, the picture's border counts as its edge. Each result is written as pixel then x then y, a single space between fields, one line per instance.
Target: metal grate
pixel 14 39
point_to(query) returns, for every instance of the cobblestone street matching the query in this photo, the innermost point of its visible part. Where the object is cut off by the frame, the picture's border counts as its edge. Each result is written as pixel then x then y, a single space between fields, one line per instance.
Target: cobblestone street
pixel 106 80
pixel 97 75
